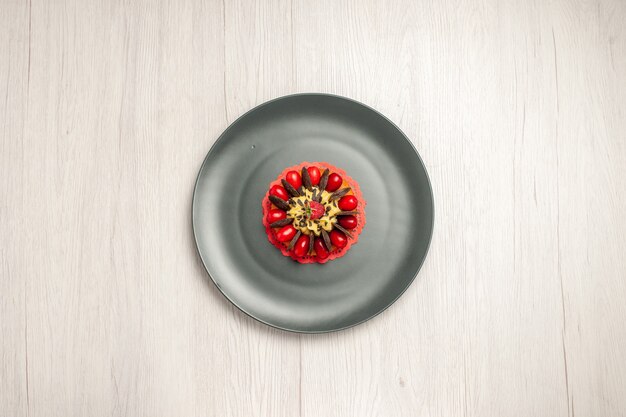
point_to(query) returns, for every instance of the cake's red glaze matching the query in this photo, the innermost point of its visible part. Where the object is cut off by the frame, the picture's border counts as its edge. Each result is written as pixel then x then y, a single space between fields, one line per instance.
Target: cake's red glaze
pixel 336 252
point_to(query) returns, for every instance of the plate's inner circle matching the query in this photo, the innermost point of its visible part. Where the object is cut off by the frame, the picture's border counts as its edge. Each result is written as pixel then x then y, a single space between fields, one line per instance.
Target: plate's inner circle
pixel 252 273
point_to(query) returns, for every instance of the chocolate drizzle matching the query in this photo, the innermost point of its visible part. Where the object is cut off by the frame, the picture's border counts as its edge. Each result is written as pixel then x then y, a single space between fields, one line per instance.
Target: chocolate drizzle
pixel 347 233
pixel 306 179
pixel 283 222
pixel 326 239
pixel 338 194
pixel 279 202
pixel 289 188
pixel 294 240
pixel 324 179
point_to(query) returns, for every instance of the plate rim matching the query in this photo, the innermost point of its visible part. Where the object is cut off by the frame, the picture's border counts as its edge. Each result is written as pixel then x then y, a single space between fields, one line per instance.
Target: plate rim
pixel 221 138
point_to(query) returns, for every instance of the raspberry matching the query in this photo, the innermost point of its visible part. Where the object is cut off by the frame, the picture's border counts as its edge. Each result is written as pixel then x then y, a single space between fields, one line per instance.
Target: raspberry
pixel 317 210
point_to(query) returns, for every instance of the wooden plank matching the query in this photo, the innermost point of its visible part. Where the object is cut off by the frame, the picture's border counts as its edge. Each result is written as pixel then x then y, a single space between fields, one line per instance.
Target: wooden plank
pixel 590 64
pixel 14 90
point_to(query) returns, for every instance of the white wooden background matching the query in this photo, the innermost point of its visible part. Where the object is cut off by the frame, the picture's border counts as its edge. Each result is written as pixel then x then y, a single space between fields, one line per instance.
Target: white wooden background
pixel 107 109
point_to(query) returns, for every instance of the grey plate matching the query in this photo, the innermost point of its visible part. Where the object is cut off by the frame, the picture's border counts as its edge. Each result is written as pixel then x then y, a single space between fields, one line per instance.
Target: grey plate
pixel 252 273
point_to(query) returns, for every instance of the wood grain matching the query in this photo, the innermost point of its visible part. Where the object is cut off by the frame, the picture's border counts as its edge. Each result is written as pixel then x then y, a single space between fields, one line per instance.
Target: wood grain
pixel 108 108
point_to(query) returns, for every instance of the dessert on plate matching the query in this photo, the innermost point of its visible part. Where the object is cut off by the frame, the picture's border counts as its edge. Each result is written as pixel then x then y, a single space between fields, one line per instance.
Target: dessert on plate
pixel 313 212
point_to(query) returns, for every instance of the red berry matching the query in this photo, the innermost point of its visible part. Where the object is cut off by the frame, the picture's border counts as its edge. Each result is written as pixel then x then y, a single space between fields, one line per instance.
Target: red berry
pixel 279 192
pixel 286 233
pixel 334 182
pixel 294 178
pixel 302 246
pixel 347 222
pixel 315 175
pixel 348 203
pixel 317 210
pixel 338 238
pixel 320 248
pixel 275 215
